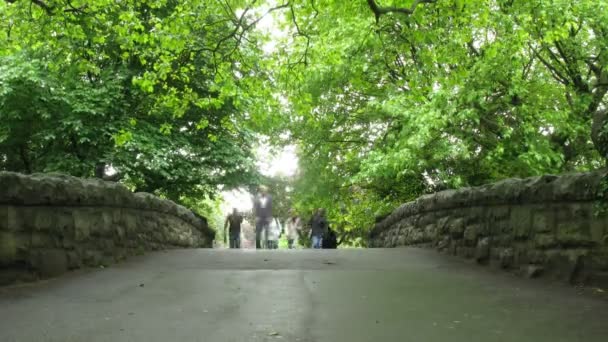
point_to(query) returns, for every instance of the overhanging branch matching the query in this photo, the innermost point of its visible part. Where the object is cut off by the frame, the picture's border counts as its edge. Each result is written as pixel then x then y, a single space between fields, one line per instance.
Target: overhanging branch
pixel 379 10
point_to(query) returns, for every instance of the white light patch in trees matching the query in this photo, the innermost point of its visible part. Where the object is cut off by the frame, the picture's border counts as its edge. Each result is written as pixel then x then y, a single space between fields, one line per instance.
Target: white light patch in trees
pixel 277 163
pixel 237 198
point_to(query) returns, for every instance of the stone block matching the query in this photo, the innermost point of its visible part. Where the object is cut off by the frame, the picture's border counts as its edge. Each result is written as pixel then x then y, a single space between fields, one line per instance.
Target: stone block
pixel 536 256
pixel 42 240
pixel 44 219
pixel 565 264
pixel 506 258
pixel 82 224
pixel 3 217
pixel 64 221
pixel 521 221
pixel 471 233
pixel 495 252
pixel 119 233
pixel 598 229
pixel 542 221
pixel 497 213
pixel 544 241
pixel 456 227
pixel 599 261
pixel 74 260
pixel 442 225
pixel 482 250
pixel 468 252
pixel 499 228
pixel 120 254
pixel 533 271
pixel 520 254
pixel 14 219
pixel 8 248
pixel 50 262
pixel 443 243
pixel 92 257
pixel 101 223
pixel 599 279
pixel 130 223
pixel 581 211
pixel 430 232
pixel 416 237
pixel 574 233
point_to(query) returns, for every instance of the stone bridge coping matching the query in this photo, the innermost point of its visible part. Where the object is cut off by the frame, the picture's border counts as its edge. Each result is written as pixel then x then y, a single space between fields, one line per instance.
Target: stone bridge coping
pixel 532 190
pixel 56 190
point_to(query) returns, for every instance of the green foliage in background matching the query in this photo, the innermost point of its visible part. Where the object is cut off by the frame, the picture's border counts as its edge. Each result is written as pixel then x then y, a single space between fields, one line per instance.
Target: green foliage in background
pixel 385 100
pixel 393 99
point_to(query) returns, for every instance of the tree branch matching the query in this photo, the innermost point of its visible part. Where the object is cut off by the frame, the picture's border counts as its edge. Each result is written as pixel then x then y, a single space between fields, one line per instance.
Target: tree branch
pixel 379 11
pixel 300 33
pixel 556 74
pixel 44 6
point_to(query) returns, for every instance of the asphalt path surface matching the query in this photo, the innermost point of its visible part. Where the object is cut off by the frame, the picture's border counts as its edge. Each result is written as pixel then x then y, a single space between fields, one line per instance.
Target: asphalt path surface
pixel 404 294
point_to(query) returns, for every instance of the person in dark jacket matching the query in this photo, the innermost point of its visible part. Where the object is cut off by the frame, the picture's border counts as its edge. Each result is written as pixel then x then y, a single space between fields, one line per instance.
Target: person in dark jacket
pixel 234 220
pixel 318 225
pixel 262 209
pixel 330 240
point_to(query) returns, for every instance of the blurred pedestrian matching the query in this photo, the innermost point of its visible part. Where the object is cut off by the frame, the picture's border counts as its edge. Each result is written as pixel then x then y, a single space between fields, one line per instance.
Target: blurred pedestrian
pixel 274 233
pixel 234 220
pixel 330 239
pixel 262 209
pixel 293 228
pixel 318 228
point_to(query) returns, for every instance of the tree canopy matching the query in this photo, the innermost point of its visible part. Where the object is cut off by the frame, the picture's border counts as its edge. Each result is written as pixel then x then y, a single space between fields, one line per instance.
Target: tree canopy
pixel 385 100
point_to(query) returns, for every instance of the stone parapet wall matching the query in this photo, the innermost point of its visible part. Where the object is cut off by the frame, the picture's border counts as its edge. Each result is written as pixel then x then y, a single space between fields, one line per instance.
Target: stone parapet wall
pixel 548 225
pixel 51 223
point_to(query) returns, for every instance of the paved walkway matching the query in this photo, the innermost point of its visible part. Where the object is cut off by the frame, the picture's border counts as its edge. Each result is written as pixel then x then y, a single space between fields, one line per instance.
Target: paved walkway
pixel 302 295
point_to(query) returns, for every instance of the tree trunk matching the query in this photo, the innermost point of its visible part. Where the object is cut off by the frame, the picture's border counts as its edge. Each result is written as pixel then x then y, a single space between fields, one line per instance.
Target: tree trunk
pixel 599 135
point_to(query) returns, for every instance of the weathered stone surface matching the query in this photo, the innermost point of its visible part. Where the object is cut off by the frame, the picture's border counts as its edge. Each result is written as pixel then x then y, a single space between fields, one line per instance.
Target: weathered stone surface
pixel 3 218
pixel 545 241
pixel 521 221
pixel 471 232
pixel 574 233
pixel 542 221
pixel 456 227
pixel 50 223
pixel 536 226
pixel 533 271
pixel 482 251
pixel 506 258
pixel 443 243
pixel 8 248
pixel 565 265
pixel 50 262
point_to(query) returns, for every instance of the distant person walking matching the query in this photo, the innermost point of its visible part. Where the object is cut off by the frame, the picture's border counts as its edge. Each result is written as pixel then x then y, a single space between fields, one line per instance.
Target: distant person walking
pixel 318 227
pixel 274 233
pixel 293 228
pixel 262 209
pixel 330 240
pixel 234 220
